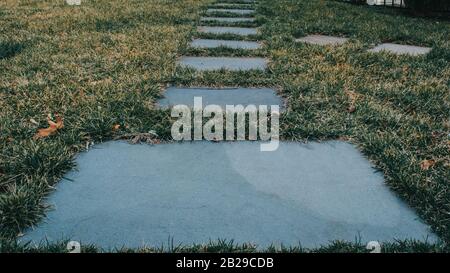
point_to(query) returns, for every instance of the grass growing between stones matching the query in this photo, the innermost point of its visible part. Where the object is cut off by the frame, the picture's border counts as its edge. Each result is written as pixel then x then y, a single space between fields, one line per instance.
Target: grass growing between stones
pixel 229 246
pixel 105 63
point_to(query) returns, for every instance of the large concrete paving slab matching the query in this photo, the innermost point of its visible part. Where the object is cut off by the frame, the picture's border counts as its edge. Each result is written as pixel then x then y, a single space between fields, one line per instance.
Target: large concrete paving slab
pixel 229 63
pixel 207 43
pixel 401 49
pixel 243 31
pixel 227 19
pixel 222 97
pixel 233 11
pixel 322 40
pixel 132 195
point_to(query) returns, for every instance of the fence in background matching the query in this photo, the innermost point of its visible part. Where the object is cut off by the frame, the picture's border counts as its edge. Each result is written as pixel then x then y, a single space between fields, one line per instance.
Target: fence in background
pixel 441 6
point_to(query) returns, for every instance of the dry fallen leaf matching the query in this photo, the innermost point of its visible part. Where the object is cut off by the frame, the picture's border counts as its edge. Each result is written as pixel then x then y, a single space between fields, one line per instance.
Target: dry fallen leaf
pixel 351 108
pixel 426 164
pixel 116 127
pixel 353 96
pixel 53 127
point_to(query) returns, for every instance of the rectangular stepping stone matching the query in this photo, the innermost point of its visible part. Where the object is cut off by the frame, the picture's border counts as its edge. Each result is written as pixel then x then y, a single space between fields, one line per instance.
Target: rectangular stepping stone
pixel 131 195
pixel 322 40
pixel 401 49
pixel 232 6
pixel 221 97
pixel 233 11
pixel 227 19
pixel 243 31
pixel 229 63
pixel 206 43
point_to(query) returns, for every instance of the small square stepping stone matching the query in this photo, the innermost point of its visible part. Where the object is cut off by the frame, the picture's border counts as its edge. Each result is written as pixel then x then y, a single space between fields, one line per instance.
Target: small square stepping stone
pixel 221 96
pixel 243 31
pixel 206 43
pixel 229 63
pixel 401 49
pixel 233 11
pixel 227 19
pixel 192 192
pixel 322 40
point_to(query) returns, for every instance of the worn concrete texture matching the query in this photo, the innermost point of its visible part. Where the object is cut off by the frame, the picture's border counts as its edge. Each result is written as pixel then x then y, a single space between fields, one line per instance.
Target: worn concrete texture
pixel 191 192
pixel 221 97
pixel 401 49
pixel 209 43
pixel 229 63
pixel 243 31
pixel 322 40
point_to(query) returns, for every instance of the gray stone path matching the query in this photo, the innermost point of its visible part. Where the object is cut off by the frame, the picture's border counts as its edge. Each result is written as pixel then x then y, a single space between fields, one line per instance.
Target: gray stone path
pixel 207 43
pixel 243 31
pixel 227 19
pixel 220 96
pixel 322 40
pixel 229 63
pixel 401 49
pixel 134 195
pixel 193 192
pixel 233 11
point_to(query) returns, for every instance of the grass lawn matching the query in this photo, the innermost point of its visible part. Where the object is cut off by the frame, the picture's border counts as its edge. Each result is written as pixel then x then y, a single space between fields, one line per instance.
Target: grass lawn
pixel 106 62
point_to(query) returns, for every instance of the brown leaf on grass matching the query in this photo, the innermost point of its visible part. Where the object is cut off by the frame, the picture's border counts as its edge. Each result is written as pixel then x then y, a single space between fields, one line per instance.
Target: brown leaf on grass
pixel 351 108
pixel 51 129
pixel 116 127
pixel 353 96
pixel 427 163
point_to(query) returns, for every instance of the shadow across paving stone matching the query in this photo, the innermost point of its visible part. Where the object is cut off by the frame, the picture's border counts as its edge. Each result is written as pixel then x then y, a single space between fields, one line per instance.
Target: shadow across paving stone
pixel 135 195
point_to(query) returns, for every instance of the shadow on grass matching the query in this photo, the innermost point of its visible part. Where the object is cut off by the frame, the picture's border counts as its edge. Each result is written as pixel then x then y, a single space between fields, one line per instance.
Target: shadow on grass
pixel 10 49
